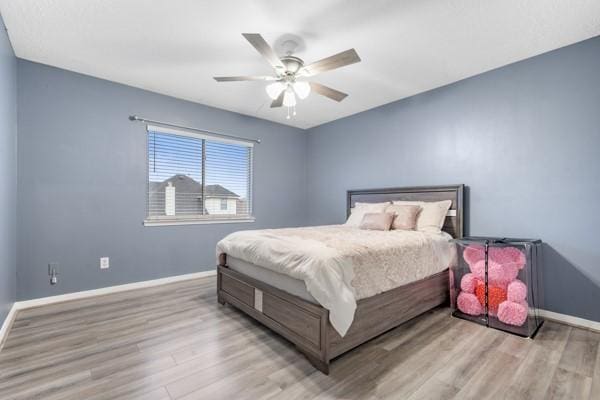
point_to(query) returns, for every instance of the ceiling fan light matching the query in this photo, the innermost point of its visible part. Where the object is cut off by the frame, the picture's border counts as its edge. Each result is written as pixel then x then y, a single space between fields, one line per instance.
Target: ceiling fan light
pixel 289 98
pixel 274 89
pixel 302 89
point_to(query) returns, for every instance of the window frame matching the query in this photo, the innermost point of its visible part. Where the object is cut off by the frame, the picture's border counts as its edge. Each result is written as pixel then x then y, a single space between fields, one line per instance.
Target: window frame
pixel 168 220
pixel 224 206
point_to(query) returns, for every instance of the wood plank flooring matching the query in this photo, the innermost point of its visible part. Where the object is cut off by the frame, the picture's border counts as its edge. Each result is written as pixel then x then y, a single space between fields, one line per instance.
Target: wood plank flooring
pixel 176 342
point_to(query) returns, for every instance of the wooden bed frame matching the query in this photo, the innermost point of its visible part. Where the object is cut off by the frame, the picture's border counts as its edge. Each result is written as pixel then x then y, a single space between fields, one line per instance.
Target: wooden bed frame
pixel 307 325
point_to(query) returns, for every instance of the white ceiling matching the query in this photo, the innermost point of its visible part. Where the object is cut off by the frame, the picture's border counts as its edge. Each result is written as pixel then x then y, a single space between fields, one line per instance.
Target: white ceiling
pixel 407 46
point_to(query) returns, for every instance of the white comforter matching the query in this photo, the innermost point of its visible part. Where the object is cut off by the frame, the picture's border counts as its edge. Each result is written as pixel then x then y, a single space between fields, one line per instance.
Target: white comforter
pixel 341 264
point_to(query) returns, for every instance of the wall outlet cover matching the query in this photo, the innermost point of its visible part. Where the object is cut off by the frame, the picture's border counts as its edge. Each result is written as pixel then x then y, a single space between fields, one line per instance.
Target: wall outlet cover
pixel 104 262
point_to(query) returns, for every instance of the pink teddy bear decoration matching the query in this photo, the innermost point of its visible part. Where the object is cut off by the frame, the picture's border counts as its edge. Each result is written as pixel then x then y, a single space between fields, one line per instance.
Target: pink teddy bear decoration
pixel 506 294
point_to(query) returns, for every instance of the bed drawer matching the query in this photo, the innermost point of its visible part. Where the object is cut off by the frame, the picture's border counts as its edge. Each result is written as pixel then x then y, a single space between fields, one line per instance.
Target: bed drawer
pixel 238 289
pixel 293 317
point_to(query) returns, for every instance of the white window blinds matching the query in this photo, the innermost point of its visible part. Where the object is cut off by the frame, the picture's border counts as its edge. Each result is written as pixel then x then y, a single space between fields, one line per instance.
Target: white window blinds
pixel 195 177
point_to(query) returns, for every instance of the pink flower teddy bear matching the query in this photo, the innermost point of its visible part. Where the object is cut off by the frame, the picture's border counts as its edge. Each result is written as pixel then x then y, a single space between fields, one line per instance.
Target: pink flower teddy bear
pixel 506 294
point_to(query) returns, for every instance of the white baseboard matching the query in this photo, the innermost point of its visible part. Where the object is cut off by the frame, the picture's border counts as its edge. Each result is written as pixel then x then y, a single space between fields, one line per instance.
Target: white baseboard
pixel 6 325
pixel 22 305
pixel 571 320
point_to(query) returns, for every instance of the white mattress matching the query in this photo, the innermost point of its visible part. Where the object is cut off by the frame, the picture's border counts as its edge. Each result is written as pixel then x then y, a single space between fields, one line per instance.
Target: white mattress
pixel 280 281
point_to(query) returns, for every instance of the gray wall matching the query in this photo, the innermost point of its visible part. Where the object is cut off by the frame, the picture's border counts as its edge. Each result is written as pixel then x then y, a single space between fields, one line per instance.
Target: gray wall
pixel 82 182
pixel 8 173
pixel 526 140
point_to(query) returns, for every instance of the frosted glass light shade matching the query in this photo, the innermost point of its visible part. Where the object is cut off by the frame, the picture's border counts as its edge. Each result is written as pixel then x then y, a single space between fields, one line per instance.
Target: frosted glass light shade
pixel 289 98
pixel 274 89
pixel 302 89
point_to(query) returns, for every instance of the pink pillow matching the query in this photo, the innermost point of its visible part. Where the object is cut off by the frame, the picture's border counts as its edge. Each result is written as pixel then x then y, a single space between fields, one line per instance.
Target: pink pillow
pixel 377 221
pixel 405 216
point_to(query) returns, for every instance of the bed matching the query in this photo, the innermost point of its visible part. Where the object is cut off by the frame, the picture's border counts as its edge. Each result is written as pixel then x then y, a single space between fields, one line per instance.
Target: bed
pixel 282 302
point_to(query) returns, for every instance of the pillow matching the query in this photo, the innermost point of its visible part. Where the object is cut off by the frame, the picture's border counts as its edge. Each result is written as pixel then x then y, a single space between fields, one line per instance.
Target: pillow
pixel 432 216
pixel 405 217
pixel 360 209
pixel 377 221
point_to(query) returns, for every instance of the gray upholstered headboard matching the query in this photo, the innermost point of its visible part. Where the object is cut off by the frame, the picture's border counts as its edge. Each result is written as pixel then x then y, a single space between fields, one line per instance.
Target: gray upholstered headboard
pixel 454 220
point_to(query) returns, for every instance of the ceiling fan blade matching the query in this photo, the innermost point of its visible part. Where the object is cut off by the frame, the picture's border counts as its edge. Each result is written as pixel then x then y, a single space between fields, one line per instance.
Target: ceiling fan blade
pixel 260 44
pixel 336 61
pixel 243 78
pixel 278 102
pixel 328 92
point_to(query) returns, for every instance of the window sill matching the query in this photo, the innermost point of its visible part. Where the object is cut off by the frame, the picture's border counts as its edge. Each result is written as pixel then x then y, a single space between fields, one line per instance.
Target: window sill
pixel 174 222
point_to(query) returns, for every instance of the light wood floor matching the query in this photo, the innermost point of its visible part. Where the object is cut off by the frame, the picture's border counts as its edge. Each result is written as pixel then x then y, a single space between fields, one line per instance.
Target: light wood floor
pixel 176 342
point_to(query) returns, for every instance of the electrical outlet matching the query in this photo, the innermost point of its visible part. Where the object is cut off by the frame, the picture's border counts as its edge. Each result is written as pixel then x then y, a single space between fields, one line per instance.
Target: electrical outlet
pixel 104 262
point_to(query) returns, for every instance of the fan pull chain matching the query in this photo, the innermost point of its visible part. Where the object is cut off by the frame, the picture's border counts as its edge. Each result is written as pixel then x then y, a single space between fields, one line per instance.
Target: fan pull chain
pixel 288 114
pixel 294 114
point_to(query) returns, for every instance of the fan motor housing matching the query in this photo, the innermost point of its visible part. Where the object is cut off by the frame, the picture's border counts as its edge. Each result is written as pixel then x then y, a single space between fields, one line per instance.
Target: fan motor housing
pixel 292 64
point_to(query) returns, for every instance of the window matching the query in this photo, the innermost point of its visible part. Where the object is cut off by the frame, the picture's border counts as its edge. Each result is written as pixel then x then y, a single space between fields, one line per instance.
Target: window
pixel 193 178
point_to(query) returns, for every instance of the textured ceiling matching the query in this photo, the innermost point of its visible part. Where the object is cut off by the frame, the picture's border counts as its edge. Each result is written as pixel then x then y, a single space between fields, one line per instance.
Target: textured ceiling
pixel 407 46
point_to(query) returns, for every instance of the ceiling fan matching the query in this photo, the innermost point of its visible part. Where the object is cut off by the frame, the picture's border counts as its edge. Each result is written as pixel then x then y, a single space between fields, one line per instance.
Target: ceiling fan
pixel 289 74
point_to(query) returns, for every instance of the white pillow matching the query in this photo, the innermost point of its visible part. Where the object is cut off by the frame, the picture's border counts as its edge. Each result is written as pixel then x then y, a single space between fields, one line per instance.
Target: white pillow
pixel 360 209
pixel 432 216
